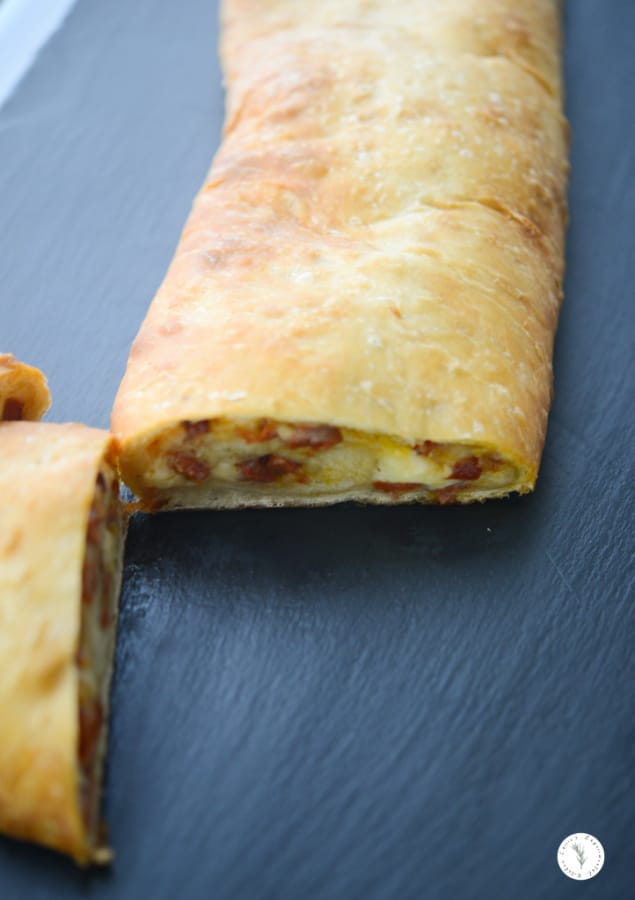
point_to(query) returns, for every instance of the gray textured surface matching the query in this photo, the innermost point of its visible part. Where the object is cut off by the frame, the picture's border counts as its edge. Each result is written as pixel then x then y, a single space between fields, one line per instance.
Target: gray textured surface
pixel 343 703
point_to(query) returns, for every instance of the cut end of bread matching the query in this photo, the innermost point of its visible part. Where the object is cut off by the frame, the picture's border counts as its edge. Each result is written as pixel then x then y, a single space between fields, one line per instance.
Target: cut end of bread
pixel 224 464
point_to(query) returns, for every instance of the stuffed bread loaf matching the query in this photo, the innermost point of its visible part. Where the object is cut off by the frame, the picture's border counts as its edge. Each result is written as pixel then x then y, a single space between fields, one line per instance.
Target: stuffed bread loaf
pixel 61 534
pixel 24 393
pixel 364 298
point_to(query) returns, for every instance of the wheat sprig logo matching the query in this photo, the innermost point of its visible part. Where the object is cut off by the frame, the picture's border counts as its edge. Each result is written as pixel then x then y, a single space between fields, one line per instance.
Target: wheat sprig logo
pixel 578 849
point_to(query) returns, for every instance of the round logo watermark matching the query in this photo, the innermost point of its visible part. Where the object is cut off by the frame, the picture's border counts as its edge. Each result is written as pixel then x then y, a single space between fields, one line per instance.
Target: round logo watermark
pixel 581 856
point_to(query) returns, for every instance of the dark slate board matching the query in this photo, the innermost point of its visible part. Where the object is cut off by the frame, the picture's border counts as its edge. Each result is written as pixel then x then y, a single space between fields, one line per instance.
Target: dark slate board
pixel 342 703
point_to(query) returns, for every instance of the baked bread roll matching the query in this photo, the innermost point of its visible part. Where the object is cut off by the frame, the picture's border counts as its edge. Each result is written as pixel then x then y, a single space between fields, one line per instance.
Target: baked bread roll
pixel 60 570
pixel 24 393
pixel 363 302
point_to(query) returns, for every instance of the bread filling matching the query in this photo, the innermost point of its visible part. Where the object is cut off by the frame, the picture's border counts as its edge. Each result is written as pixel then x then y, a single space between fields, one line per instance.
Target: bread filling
pixel 100 589
pixel 13 410
pixel 261 458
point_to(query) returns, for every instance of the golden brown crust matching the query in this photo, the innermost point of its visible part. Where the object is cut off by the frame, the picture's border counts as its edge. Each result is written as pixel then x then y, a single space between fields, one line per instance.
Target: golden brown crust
pixel 379 243
pixel 24 393
pixel 47 482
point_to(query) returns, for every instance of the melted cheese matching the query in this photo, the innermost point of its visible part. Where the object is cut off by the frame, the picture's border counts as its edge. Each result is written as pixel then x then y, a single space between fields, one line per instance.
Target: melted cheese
pixel 188 464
